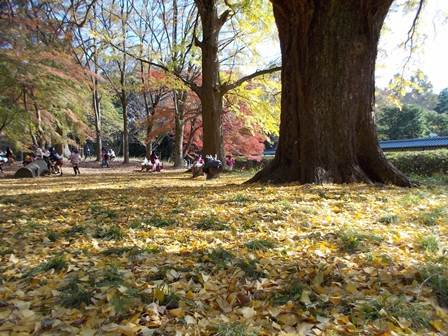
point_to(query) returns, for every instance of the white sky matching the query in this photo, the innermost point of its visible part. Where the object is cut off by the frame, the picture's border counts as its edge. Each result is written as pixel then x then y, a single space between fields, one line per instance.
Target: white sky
pixel 431 55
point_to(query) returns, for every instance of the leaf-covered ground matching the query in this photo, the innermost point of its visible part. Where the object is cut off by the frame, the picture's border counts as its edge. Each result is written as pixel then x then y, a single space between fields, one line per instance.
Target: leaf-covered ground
pixel 163 254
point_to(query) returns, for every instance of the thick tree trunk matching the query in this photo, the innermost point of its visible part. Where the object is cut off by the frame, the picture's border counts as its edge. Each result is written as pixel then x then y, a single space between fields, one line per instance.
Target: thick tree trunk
pixel 213 142
pixel 210 91
pixel 33 169
pixel 327 133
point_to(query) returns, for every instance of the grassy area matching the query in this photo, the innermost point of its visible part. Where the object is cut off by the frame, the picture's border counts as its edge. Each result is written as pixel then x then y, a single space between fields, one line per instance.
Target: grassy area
pixel 160 254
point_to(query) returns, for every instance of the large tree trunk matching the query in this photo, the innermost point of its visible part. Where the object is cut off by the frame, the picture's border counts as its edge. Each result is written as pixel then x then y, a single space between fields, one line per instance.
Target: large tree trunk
pixel 210 92
pixel 213 142
pixel 33 169
pixel 327 133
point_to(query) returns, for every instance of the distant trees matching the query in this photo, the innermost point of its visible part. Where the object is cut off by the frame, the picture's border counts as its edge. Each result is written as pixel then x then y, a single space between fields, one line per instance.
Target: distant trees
pixel 142 70
pixel 410 109
pixel 442 102
pixel 42 94
pixel 404 122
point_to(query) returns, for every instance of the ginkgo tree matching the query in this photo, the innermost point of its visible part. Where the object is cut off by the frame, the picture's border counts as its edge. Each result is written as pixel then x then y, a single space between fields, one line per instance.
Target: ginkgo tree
pixel 327 131
pixel 216 45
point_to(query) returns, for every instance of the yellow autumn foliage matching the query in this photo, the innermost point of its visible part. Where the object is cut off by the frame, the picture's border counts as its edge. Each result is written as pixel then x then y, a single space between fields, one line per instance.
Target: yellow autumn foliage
pixel 135 254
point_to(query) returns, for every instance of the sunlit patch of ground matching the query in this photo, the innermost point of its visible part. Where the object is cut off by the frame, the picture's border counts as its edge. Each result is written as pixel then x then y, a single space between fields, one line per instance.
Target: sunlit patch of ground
pixel 154 254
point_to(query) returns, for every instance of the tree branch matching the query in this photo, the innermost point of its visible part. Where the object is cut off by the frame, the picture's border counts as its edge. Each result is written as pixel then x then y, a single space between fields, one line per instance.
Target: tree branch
pixel 226 88
pixel 412 30
pixel 192 86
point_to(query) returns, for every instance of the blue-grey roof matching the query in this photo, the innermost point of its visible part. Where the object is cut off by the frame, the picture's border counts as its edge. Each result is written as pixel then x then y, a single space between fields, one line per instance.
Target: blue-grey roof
pixel 434 142
pixel 420 143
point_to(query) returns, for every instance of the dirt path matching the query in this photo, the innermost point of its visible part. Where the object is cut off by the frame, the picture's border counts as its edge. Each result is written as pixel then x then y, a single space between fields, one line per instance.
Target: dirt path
pixel 91 167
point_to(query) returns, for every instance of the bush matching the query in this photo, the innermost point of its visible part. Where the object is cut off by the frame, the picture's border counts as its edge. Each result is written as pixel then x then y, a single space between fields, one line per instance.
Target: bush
pixel 425 163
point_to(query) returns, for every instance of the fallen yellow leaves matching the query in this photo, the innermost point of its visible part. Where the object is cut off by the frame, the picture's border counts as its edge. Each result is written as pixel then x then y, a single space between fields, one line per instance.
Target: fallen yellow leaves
pixel 167 255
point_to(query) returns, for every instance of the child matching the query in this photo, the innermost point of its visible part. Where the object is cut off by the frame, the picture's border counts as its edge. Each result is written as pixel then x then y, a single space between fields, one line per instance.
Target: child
pixel 146 164
pixel 105 161
pixel 155 162
pixel 230 162
pixel 198 166
pixel 75 159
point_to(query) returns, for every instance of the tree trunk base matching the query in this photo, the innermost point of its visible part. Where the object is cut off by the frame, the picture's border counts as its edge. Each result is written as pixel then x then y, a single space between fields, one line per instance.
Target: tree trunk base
pixel 383 173
pixel 33 169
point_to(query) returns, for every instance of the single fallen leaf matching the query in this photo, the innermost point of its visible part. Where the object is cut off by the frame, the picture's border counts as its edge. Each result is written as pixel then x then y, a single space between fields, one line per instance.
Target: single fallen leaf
pixel 288 319
pixel 438 325
pixel 305 298
pixel 248 312
pixel 177 312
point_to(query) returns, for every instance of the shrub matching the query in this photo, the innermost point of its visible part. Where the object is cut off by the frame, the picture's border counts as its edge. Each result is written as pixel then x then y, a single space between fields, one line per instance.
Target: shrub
pixel 425 163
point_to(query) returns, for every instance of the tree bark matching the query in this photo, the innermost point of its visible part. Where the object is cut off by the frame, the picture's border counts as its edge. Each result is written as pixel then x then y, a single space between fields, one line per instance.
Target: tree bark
pixel 125 127
pixel 97 112
pixel 123 94
pixel 327 133
pixel 33 169
pixel 179 126
pixel 213 142
pixel 210 91
pixel 96 102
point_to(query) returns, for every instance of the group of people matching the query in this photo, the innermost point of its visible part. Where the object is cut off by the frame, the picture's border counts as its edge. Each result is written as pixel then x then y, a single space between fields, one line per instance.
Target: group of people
pixel 107 155
pixel 211 166
pixel 53 159
pixel 152 164
pixel 199 166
